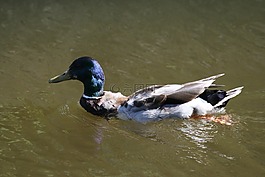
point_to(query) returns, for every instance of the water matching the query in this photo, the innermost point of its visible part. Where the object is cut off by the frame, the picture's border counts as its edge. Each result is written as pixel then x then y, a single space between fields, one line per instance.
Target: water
pixel 43 130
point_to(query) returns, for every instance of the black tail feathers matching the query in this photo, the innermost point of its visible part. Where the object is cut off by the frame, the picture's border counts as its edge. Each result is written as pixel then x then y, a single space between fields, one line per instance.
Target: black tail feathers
pixel 219 98
pixel 214 97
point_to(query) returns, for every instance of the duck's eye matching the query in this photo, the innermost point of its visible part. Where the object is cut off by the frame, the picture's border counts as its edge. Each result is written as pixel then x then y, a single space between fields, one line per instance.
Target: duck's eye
pixel 76 66
pixel 74 76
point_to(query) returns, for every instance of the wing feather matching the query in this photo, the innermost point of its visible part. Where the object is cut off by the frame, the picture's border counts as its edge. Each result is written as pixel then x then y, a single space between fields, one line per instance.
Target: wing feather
pixel 158 95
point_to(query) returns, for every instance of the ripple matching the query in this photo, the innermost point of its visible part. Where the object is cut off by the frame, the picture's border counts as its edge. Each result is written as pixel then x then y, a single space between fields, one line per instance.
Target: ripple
pixel 255 33
pixel 199 132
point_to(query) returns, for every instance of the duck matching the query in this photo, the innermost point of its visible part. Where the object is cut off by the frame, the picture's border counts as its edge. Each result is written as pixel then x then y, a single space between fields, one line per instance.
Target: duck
pixel 157 102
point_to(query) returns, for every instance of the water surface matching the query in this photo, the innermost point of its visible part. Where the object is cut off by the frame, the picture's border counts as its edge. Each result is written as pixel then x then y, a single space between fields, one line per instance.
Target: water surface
pixel 43 130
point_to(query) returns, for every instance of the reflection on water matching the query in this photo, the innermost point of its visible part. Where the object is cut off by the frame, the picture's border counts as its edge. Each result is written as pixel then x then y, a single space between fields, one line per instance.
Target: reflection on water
pixel 198 132
pixel 43 130
pixel 202 134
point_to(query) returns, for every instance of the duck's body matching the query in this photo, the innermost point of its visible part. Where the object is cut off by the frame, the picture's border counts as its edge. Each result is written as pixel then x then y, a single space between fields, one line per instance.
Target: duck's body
pixel 149 104
pixel 107 105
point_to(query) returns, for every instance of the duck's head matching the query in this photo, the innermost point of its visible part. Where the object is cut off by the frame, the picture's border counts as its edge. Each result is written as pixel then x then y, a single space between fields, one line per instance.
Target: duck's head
pixel 86 70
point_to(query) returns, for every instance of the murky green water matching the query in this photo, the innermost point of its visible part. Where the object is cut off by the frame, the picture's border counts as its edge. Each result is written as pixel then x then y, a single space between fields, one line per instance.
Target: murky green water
pixel 43 130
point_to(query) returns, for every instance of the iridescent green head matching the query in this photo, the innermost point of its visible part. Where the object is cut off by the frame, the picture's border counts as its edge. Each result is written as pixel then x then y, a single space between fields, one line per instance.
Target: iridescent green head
pixel 89 72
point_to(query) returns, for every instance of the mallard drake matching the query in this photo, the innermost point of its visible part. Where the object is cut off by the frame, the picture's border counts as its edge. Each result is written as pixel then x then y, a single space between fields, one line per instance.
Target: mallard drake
pixel 192 99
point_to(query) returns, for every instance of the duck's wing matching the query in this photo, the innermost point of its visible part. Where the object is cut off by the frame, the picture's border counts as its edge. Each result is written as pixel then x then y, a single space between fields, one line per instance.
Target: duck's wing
pixel 158 95
pixel 191 90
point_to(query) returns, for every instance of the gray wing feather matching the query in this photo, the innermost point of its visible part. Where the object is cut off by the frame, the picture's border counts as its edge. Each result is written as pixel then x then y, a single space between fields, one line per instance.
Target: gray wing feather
pixel 148 98
pixel 191 90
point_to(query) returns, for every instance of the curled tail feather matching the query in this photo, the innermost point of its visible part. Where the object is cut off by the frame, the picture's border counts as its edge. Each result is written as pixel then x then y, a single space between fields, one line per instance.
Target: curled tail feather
pixel 229 94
